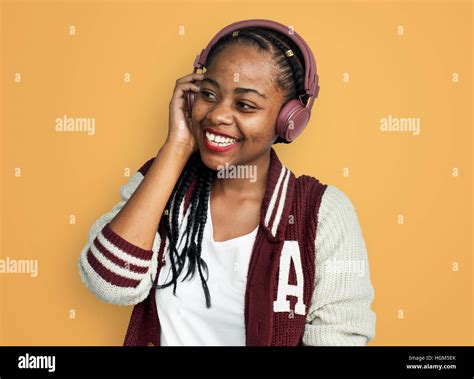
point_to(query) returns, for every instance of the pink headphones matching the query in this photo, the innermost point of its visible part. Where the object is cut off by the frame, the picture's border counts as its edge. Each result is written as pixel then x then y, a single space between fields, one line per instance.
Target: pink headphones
pixel 294 115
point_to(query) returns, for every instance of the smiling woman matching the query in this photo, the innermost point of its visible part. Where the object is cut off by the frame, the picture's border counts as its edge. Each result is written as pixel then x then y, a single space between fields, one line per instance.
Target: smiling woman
pixel 254 258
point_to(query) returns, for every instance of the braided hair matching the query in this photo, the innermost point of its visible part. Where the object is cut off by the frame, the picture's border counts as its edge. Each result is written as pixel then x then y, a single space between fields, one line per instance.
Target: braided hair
pixel 193 170
pixel 290 79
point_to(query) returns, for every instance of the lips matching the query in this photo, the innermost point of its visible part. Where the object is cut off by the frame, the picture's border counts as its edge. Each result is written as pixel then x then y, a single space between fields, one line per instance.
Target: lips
pixel 219 142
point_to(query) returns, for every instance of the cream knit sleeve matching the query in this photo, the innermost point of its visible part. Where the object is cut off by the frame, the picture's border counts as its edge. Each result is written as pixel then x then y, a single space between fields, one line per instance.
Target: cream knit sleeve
pixel 340 313
pixel 113 269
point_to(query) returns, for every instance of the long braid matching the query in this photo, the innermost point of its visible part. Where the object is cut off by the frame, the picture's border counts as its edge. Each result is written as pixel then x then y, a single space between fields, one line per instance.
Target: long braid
pixel 191 250
pixel 192 212
pixel 193 246
pixel 172 212
pixel 203 220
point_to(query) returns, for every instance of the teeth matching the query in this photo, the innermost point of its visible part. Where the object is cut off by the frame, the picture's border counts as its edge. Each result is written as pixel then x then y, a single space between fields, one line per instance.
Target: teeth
pixel 220 140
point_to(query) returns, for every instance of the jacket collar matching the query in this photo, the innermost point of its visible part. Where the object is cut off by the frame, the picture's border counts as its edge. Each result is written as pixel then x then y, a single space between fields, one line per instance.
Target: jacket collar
pixel 276 203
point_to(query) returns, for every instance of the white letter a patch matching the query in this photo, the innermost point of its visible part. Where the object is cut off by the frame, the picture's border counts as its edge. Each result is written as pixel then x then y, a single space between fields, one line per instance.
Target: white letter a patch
pixel 290 251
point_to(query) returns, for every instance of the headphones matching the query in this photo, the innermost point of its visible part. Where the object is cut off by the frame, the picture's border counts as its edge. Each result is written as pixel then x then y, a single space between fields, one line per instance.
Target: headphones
pixel 295 114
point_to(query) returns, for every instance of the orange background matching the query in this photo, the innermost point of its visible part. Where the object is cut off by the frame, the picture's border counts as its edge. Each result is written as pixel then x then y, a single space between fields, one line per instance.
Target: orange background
pixel 390 173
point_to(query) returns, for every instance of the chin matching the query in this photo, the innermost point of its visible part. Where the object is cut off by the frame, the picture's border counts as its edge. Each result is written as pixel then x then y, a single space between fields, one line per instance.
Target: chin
pixel 211 160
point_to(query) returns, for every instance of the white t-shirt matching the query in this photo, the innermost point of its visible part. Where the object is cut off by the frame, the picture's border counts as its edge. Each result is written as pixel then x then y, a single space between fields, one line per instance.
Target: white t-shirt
pixel 184 318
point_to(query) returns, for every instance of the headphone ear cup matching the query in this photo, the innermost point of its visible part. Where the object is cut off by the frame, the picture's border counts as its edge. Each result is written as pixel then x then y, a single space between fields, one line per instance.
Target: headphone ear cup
pixel 292 120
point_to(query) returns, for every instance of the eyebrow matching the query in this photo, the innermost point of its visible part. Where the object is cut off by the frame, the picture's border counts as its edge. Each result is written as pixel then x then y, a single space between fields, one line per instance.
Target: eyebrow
pixel 236 90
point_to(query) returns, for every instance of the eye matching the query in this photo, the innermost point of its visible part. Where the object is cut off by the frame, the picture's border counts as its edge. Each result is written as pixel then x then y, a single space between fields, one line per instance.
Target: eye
pixel 206 93
pixel 249 106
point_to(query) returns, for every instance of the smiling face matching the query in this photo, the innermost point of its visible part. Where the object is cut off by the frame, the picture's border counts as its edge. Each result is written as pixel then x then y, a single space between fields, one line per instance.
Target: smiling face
pixel 235 112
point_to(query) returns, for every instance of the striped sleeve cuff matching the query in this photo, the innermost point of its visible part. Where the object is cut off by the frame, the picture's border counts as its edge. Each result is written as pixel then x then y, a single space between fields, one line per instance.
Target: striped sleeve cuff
pixel 116 260
pixel 116 270
pixel 124 245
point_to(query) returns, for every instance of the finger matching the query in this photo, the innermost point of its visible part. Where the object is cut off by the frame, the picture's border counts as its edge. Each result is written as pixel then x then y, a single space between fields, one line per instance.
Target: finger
pixel 189 121
pixel 184 87
pixel 189 78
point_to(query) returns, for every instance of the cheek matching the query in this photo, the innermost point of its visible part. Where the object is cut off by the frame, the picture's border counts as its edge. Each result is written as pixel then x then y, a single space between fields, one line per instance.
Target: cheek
pixel 197 115
pixel 259 129
pixel 199 111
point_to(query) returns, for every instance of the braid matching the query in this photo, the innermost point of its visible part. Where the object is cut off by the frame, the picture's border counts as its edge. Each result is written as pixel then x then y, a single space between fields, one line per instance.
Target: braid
pixel 196 216
pixel 172 211
pixel 295 71
pixel 203 219
pixel 194 170
pixel 192 212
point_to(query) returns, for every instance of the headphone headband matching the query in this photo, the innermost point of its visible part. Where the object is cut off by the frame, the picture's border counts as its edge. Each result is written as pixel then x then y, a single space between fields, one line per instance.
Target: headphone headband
pixel 311 78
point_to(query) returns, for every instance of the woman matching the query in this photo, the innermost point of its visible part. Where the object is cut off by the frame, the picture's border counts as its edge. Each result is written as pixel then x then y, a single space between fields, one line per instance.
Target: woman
pixel 209 258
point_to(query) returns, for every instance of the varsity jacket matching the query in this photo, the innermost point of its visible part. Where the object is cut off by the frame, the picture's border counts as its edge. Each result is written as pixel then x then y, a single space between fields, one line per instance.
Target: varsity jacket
pixel 282 305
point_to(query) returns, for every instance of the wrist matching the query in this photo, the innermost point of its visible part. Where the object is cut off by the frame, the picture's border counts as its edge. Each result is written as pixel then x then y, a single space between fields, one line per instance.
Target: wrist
pixel 180 149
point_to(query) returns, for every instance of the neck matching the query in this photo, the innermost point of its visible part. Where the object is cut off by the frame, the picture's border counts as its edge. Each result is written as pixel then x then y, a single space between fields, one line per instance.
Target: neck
pixel 247 181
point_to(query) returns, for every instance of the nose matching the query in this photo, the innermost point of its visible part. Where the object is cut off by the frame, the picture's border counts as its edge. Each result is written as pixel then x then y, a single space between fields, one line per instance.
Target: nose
pixel 220 113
